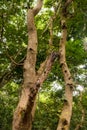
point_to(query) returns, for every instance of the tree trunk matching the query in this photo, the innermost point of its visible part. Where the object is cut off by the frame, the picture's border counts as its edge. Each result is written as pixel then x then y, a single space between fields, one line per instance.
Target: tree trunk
pixel 22 116
pixel 24 113
pixel 22 119
pixel 65 117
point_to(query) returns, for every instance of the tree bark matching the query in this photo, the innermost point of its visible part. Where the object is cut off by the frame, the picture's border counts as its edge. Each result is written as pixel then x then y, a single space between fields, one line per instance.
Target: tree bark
pixel 22 119
pixel 64 121
pixel 22 116
pixel 24 113
pixel 65 117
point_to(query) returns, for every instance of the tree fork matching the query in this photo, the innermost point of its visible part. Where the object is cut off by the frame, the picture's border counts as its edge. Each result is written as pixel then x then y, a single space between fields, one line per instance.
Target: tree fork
pixel 24 113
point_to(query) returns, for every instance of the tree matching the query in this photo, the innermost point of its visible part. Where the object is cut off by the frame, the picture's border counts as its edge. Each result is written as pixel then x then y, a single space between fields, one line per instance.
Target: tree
pixel 24 113
pixel 35 68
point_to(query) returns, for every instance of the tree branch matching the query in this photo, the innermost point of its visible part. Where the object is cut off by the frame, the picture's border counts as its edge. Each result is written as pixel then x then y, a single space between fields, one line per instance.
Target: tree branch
pixel 51 31
pixel 2 28
pixel 13 61
pixel 38 7
pixel 65 7
pixel 45 68
pixel 7 76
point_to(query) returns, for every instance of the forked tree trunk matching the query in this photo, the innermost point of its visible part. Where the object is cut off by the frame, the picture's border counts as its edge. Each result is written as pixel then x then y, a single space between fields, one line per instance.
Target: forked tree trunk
pixel 24 113
pixel 65 117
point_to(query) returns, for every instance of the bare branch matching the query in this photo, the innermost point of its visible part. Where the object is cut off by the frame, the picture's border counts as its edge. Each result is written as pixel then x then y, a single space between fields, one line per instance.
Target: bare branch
pixel 2 28
pixel 45 68
pixel 51 32
pixel 7 76
pixel 65 7
pixel 42 67
pixel 38 7
pixel 68 2
pixel 13 61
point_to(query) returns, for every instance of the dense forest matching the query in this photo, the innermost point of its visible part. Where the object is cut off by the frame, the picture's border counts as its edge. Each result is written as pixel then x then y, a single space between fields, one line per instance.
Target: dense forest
pixel 43 65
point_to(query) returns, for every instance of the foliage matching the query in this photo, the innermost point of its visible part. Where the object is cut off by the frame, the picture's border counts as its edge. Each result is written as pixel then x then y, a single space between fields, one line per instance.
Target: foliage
pixel 49 104
pixel 8 101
